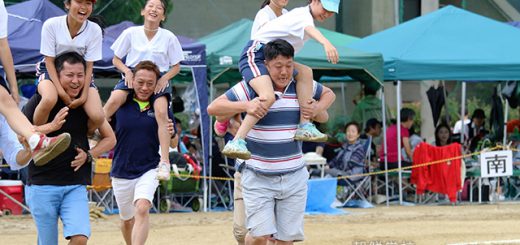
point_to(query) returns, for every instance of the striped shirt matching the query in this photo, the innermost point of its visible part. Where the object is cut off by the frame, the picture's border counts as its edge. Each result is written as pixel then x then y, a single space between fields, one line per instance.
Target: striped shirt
pixel 271 140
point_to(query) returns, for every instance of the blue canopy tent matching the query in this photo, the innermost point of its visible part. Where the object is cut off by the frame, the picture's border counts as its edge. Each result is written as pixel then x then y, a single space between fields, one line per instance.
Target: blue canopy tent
pixel 448 44
pixel 25 24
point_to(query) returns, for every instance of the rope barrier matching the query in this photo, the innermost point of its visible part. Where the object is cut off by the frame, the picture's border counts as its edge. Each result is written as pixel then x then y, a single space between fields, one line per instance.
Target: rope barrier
pixel 359 175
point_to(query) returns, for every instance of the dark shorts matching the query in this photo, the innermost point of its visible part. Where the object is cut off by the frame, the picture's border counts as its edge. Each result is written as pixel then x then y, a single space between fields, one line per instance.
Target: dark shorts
pixel 3 83
pixel 42 74
pixel 167 92
pixel 252 61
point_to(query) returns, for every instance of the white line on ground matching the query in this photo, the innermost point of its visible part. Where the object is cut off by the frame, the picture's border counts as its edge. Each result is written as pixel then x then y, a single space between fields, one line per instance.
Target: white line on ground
pixel 488 242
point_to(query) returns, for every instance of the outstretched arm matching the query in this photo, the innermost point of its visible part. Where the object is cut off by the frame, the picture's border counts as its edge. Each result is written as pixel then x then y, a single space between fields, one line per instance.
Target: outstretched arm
pixel 7 62
pixel 330 50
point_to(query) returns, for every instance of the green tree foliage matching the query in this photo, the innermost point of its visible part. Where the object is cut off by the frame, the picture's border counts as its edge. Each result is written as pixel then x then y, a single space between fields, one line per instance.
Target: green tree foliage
pixel 113 11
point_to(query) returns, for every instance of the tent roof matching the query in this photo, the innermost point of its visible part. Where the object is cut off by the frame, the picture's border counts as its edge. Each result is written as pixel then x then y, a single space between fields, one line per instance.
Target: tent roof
pixel 449 44
pixel 225 46
pixel 24 24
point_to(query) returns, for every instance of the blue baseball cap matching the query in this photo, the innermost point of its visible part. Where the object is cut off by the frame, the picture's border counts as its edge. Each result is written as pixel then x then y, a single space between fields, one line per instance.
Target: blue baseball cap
pixel 331 5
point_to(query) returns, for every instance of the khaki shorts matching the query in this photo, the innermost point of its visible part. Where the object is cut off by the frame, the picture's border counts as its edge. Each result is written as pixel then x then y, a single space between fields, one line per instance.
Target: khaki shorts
pixel 275 204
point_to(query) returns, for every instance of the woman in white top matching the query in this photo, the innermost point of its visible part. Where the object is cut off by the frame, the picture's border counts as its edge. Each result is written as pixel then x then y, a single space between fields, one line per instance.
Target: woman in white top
pixel 269 10
pixel 149 42
pixel 71 32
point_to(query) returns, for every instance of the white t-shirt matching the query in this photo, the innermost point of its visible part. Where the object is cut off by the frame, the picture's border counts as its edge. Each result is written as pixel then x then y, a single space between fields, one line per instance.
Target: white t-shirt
pixel 289 27
pixel 3 20
pixel 56 39
pixel 164 49
pixel 458 126
pixel 263 16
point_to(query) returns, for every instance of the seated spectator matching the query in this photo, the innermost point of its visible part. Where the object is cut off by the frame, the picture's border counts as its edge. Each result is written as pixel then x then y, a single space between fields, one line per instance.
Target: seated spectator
pixel 414 140
pixel 458 125
pixel 476 129
pixel 351 159
pixel 442 135
pixel 372 130
pixel 407 116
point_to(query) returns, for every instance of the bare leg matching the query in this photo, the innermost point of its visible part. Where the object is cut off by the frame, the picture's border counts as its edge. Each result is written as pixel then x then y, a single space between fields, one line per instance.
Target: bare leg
pixel 78 240
pixel 94 111
pixel 160 106
pixel 256 240
pixel 117 99
pixel 15 118
pixel 49 98
pixel 126 229
pixel 278 242
pixel 142 222
pixel 264 88
pixel 304 87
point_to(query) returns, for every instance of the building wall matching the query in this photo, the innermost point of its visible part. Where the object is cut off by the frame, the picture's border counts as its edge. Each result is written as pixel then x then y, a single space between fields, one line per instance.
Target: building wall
pixel 197 18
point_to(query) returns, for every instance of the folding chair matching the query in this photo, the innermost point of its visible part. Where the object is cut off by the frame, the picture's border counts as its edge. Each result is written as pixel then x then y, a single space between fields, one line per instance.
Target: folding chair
pixel 362 187
pixel 101 189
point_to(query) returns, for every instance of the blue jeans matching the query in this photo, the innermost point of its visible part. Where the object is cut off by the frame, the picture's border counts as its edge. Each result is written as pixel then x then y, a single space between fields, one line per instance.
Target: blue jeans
pixel 50 202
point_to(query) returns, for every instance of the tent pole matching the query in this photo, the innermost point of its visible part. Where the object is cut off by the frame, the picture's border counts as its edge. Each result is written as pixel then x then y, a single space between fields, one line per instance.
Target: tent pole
pixel 384 142
pixel 400 176
pixel 343 100
pixel 462 114
pixel 506 114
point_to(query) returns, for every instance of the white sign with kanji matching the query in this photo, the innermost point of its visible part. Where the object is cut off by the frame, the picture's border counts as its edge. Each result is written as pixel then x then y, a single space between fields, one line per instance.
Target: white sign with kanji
pixel 496 163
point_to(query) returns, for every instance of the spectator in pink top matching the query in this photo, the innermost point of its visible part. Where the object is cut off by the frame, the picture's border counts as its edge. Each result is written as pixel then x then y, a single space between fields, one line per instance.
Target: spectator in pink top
pixel 407 116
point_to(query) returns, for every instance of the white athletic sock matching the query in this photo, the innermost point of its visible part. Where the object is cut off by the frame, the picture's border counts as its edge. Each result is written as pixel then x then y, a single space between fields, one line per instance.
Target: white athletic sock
pixel 33 141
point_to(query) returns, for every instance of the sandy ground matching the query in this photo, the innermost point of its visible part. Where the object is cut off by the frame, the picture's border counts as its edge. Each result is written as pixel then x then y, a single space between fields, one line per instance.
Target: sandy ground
pixel 380 225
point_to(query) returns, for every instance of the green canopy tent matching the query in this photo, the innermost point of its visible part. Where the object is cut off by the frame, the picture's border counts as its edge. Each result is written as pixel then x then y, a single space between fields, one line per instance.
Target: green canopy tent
pixel 223 49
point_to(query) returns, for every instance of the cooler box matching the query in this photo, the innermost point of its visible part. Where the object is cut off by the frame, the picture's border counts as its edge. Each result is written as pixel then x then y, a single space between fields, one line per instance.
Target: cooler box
pixel 13 188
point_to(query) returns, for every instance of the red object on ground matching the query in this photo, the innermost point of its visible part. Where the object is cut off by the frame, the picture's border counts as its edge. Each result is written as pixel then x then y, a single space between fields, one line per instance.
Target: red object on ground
pixel 14 189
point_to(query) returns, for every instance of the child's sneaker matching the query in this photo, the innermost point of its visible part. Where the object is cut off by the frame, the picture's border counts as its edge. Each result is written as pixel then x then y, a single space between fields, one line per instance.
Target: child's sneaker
pixel 309 132
pixel 236 149
pixel 163 171
pixel 221 128
pixel 49 148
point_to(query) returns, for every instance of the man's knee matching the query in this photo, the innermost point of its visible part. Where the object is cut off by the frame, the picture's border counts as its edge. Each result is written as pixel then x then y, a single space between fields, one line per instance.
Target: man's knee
pixel 142 207
pixel 240 233
pixel 78 240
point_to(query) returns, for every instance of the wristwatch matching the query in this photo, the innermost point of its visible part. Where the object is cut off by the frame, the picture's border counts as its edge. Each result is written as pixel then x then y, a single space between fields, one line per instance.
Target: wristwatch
pixel 89 157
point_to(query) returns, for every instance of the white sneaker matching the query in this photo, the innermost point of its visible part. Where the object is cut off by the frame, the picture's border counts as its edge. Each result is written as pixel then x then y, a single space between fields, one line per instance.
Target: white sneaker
pixel 163 171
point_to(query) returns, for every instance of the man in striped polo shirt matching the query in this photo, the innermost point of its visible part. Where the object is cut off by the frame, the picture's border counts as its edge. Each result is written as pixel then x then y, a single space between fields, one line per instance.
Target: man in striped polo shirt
pixel 274 180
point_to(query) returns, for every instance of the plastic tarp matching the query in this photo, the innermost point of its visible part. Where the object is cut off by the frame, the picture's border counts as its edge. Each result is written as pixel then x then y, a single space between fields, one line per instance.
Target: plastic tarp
pixel 448 44
pixel 225 46
pixel 321 194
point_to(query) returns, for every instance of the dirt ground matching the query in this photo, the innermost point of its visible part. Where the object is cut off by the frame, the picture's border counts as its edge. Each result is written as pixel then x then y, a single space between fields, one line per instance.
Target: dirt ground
pixel 461 224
